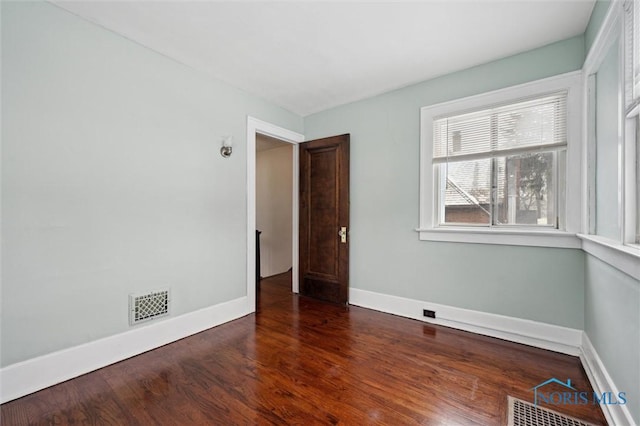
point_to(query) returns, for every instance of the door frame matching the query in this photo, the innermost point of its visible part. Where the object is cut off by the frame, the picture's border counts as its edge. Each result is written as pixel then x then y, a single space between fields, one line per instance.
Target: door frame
pixel 255 126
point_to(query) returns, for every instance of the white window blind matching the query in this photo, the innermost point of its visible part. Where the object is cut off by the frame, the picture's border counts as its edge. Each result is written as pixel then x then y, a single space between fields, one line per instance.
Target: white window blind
pixel 499 165
pixel 496 167
pixel 524 126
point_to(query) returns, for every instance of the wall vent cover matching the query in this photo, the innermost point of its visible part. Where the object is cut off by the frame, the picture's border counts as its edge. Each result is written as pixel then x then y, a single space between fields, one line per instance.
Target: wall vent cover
pixel 145 307
pixel 522 413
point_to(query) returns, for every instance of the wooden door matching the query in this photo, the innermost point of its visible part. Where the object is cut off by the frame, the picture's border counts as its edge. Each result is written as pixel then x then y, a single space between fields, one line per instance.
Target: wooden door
pixel 324 219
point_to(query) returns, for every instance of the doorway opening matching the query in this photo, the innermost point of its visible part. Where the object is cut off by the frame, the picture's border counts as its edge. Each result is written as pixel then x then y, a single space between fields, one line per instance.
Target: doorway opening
pixel 274 209
pixel 266 134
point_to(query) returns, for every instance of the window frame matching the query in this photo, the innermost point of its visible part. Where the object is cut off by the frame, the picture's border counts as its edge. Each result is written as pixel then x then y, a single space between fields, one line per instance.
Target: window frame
pixel 493 156
pixel 569 225
pixel 631 127
pixel 620 253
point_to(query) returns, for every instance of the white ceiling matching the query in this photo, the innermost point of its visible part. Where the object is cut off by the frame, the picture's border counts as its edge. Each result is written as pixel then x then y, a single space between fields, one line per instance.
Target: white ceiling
pixel 309 56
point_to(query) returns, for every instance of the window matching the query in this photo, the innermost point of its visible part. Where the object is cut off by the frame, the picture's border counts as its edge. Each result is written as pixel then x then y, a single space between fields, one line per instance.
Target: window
pixel 495 168
pixel 499 166
pixel 632 53
pixel 632 112
pixel 616 54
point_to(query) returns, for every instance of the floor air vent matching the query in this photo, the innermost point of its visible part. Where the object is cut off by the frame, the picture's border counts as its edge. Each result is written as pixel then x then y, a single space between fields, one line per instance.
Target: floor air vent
pixel 522 413
pixel 145 307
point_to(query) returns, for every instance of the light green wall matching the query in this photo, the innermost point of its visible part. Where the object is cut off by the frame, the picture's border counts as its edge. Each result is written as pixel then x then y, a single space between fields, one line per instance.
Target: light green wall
pixel 607 222
pixel 612 322
pixel 540 284
pixel 612 298
pixel 595 22
pixel 112 182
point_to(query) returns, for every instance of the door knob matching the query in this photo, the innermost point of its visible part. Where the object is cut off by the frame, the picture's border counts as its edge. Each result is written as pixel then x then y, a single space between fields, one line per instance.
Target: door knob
pixel 343 234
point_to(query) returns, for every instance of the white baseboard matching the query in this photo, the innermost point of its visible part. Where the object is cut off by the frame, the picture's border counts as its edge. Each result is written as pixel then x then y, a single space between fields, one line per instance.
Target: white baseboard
pixel 26 377
pixel 532 333
pixel 602 382
pixel 29 376
pixel 546 336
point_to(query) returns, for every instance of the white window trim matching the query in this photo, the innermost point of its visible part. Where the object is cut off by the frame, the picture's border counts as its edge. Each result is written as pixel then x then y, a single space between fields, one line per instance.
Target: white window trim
pixel 629 178
pixel 622 257
pixel 622 253
pixel 627 159
pixel 430 230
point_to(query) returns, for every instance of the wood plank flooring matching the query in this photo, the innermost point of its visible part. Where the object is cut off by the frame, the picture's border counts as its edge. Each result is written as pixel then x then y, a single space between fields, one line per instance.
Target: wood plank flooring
pixel 301 361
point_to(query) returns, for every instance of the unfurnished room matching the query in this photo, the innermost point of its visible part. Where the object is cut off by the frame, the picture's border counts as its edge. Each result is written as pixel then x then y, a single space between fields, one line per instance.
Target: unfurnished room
pixel 320 212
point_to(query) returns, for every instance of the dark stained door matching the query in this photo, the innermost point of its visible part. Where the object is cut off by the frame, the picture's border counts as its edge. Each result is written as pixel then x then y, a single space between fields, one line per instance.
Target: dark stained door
pixel 324 219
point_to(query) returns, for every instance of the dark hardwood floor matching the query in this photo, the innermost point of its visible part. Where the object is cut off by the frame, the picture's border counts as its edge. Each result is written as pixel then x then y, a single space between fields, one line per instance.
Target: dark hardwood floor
pixel 300 361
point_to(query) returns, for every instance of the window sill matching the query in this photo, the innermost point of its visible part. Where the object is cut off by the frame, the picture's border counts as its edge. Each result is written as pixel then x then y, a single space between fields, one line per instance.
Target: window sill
pixel 510 237
pixel 620 256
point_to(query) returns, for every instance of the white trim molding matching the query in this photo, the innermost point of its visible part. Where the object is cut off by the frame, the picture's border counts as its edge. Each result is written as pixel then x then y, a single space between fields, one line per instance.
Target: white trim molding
pixel 606 36
pixel 534 238
pixel 570 221
pixel 622 253
pixel 623 257
pixel 541 335
pixel 255 126
pixel 602 382
pixel 29 376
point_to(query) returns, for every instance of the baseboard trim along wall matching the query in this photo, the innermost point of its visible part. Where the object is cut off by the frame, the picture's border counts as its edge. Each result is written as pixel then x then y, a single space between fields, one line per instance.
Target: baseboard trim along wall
pixel 532 333
pixel 26 377
pixel 29 376
pixel 602 382
pixel 546 336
